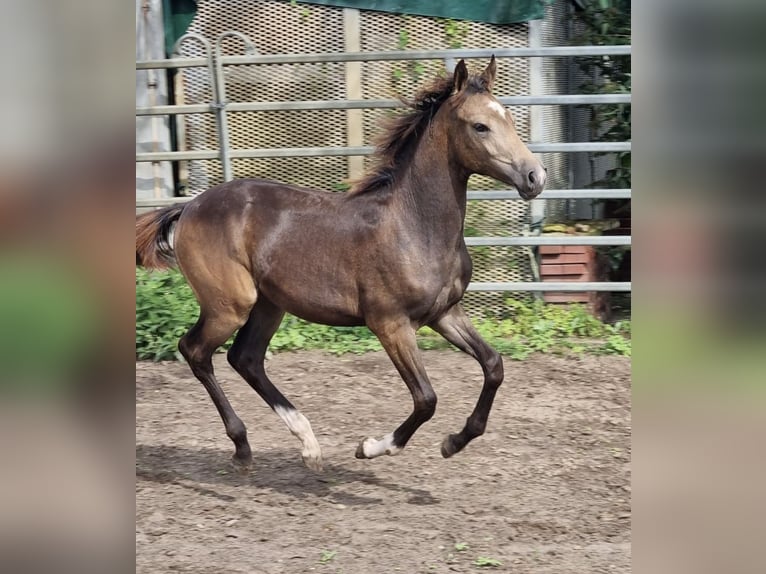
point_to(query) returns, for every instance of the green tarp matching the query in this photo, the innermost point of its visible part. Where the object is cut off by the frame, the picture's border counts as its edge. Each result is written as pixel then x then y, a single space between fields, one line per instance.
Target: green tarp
pixel 492 11
pixel 178 14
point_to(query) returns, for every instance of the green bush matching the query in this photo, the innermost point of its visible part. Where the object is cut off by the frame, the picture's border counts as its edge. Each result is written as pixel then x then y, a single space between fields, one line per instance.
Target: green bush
pixel 166 309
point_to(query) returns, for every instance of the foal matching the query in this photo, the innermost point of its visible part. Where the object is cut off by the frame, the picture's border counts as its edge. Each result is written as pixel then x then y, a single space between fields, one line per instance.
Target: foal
pixel 389 254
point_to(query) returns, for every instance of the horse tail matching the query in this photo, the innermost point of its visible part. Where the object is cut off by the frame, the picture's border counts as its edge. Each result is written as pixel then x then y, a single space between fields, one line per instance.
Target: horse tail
pixel 154 244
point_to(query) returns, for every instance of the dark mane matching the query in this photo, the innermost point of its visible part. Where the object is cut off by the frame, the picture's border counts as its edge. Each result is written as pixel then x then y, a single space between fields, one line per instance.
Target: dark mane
pixel 402 132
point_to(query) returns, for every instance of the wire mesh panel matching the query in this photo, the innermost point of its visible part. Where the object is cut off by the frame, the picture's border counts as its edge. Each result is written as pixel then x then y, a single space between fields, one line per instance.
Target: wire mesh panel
pixel 393 79
pixel 277 27
pixel 556 74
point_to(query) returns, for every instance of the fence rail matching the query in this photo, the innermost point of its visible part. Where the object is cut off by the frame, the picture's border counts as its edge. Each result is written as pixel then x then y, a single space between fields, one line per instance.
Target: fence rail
pixel 557 51
pixel 219 106
pixel 239 153
pixel 472 196
pixel 372 104
pixel 551 286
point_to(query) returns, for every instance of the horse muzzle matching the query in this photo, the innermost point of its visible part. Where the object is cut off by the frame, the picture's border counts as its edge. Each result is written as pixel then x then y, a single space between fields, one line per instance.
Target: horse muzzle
pixel 534 182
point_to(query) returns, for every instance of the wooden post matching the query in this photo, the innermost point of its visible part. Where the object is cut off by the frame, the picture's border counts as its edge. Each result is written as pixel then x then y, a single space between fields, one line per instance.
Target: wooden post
pixel 354 118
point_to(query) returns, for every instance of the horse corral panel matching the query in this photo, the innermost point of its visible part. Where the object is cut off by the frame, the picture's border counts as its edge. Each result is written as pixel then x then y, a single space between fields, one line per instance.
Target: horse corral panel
pixel 278 27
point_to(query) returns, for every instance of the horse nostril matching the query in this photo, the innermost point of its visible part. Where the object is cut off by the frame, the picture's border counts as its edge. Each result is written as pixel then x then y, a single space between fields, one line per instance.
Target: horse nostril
pixel 531 177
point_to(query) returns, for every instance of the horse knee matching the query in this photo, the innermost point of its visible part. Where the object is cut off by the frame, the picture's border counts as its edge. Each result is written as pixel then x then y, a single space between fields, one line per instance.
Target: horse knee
pixel 494 373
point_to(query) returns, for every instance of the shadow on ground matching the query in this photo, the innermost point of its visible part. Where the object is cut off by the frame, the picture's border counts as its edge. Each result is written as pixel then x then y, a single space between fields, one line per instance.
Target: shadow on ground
pixel 206 470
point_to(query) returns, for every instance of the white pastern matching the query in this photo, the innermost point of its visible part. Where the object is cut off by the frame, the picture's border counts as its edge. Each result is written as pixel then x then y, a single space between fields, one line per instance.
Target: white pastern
pixel 299 425
pixel 372 447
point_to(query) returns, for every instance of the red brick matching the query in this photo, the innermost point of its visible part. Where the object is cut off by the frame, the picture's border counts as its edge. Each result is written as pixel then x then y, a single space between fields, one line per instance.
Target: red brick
pixel 572 269
pixel 564 258
pixel 577 249
pixel 567 278
pixel 551 249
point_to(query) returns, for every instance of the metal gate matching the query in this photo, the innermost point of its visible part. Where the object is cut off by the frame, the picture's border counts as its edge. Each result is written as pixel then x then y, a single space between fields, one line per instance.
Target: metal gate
pixel 230 87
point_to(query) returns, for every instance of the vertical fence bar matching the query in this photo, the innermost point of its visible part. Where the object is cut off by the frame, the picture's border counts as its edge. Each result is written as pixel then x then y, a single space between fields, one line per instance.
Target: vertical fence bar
pixel 220 99
pixel 211 78
pixel 354 118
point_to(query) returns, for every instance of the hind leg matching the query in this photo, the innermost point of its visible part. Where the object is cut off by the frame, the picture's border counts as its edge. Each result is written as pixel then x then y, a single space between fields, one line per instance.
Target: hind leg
pixel 224 307
pixel 247 357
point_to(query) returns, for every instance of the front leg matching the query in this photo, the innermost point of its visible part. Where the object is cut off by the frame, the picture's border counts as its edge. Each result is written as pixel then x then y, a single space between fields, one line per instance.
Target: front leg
pixel 398 340
pixel 456 327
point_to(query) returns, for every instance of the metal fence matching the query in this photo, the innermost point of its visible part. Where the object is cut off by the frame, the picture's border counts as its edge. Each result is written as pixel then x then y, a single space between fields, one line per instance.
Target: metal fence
pixel 215 63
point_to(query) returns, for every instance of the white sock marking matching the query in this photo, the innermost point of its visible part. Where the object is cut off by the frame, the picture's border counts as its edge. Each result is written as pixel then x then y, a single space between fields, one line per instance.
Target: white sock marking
pixel 372 447
pixel 299 425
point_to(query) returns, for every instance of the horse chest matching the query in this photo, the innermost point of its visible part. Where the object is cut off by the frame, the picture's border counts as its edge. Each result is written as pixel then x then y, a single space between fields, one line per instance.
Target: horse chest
pixel 437 288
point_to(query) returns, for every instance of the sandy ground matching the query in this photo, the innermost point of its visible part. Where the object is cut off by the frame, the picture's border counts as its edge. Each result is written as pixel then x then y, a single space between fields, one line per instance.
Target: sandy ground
pixel 545 490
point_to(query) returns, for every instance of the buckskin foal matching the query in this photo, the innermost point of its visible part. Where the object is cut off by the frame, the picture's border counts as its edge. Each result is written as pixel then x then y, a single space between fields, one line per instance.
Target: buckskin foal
pixel 389 254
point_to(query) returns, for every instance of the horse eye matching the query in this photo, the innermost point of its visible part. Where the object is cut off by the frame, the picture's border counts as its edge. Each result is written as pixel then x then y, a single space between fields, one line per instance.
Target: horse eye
pixel 481 128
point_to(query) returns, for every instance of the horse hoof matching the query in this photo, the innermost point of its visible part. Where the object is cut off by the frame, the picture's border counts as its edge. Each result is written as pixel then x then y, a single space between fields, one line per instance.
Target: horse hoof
pixel 312 461
pixel 360 450
pixel 242 465
pixel 366 449
pixel 448 446
pixel 373 448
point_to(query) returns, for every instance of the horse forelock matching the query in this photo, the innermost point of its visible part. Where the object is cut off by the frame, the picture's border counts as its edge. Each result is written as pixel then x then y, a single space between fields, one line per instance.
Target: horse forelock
pixel 401 133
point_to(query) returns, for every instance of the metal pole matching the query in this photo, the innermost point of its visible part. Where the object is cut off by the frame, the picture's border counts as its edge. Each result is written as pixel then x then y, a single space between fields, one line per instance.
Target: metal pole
pixel 220 99
pixel 558 51
pixel 183 171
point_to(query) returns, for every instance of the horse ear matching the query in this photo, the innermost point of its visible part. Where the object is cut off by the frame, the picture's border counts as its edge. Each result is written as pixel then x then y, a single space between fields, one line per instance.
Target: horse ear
pixel 488 75
pixel 460 76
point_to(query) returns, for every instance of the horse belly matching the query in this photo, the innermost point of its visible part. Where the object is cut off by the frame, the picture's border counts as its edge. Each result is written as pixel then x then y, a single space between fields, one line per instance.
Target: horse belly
pixel 314 301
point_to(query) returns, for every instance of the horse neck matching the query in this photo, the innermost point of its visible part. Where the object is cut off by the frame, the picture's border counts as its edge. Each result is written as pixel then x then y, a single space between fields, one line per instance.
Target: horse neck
pixel 433 187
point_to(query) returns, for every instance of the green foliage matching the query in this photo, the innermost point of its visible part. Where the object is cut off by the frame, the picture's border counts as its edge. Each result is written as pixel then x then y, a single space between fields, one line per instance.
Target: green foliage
pixel 327 556
pixel 538 327
pixel 166 309
pixel 484 561
pixel 304 12
pixel 295 333
pixel 616 345
pixel 455 32
pixel 607 22
pixel 412 69
pixel 403 40
pixel 341 186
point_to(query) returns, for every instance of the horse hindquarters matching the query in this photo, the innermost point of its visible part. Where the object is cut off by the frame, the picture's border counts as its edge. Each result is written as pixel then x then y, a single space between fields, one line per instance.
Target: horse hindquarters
pixel 226 294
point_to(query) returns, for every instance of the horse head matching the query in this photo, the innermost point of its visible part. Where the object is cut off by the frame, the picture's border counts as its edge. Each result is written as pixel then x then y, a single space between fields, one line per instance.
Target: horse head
pixel 483 134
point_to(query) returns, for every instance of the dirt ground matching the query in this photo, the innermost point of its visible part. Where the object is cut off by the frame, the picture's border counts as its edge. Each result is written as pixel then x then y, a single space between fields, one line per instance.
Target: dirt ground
pixel 545 490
